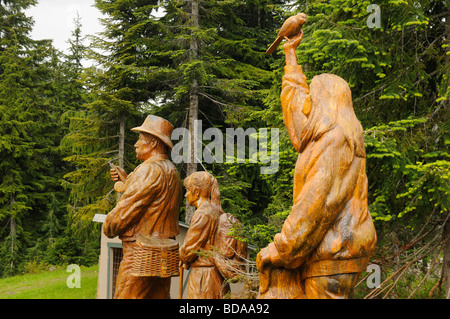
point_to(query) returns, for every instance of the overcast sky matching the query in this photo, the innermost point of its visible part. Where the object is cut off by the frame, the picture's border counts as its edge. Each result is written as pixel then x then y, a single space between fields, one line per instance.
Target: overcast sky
pixel 53 19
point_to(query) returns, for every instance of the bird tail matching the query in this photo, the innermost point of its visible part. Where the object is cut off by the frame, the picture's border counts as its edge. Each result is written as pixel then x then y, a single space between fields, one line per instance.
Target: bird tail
pixel 274 45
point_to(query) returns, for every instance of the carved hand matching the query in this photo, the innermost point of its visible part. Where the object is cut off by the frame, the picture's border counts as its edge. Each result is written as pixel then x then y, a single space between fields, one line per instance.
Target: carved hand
pixel 293 43
pixel 262 261
pixel 262 258
pixel 184 264
pixel 114 173
pixel 268 255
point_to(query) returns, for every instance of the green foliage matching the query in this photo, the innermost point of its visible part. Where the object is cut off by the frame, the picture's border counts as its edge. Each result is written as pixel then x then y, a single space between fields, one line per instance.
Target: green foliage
pixel 60 121
pixel 110 96
pixel 38 88
pixel 43 283
pixel 30 193
pixel 422 177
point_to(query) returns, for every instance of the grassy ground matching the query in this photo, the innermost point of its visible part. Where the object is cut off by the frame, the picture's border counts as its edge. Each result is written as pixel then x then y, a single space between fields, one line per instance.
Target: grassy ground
pixel 50 285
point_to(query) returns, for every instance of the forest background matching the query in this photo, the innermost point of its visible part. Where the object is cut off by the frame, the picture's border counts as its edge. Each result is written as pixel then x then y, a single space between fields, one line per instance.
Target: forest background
pixel 61 123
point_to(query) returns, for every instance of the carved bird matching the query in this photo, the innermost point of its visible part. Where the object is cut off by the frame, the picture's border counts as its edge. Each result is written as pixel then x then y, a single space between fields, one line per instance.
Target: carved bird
pixel 290 28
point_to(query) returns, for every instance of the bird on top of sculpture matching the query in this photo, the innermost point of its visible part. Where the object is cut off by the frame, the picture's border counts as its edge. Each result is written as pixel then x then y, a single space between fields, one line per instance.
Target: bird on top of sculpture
pixel 290 28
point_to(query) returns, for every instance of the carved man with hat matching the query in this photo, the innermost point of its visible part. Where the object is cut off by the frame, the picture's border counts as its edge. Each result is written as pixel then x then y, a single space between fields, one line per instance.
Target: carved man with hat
pixel 149 206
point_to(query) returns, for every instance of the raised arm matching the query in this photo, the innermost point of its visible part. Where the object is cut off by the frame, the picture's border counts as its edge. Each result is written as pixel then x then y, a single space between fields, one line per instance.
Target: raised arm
pixel 295 98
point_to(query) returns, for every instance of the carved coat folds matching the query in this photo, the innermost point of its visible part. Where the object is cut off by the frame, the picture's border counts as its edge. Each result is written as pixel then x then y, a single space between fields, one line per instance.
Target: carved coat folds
pixel 149 206
pixel 205 280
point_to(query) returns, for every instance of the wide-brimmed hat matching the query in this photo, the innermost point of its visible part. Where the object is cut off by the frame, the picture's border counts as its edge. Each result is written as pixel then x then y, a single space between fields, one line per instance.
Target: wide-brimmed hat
pixel 158 127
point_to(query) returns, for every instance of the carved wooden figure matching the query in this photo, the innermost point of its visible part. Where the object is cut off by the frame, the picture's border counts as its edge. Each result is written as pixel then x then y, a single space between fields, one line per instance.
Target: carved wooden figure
pixel 290 28
pixel 326 241
pixel 208 249
pixel 148 208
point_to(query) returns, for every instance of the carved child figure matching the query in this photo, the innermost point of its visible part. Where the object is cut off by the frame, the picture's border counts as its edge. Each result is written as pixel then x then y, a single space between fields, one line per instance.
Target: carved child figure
pixel 326 241
pixel 205 280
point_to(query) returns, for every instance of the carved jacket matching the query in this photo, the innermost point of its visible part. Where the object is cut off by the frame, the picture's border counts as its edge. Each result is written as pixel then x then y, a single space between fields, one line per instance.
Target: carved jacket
pixel 150 204
pixel 200 236
pixel 329 230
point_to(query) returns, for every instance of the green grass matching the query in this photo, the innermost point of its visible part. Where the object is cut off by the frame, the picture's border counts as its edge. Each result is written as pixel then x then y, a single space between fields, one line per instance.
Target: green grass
pixel 50 285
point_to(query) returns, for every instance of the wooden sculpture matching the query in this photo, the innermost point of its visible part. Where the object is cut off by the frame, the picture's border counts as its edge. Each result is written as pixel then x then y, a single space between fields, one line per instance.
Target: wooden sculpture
pixel 326 241
pixel 208 248
pixel 290 28
pixel 147 211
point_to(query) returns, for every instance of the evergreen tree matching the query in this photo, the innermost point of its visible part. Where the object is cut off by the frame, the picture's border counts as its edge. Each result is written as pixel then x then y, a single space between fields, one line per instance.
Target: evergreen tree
pixel 146 65
pixel 15 141
pixel 80 239
pixel 30 189
pixel 99 129
pixel 207 63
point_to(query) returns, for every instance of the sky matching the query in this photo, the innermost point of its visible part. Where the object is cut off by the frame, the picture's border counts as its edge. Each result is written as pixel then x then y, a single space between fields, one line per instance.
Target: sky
pixel 53 19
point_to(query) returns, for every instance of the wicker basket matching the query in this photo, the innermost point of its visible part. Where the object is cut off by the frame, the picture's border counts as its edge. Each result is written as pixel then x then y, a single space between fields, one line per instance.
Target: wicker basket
pixel 156 257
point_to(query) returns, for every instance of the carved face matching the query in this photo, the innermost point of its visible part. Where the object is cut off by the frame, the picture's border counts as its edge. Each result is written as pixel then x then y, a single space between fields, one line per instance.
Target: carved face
pixel 192 196
pixel 144 146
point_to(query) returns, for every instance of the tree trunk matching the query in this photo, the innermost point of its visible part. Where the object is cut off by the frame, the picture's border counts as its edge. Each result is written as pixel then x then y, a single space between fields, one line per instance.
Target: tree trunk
pixel 121 141
pixel 121 146
pixel 12 233
pixel 193 108
pixel 446 264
